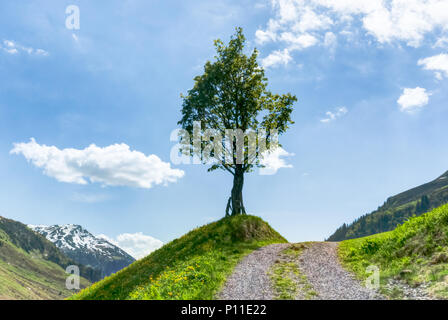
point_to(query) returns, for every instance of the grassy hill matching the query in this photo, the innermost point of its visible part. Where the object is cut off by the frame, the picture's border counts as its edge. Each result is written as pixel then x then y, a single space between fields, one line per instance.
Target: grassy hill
pixel 416 252
pixel 397 210
pixel 30 265
pixel 194 266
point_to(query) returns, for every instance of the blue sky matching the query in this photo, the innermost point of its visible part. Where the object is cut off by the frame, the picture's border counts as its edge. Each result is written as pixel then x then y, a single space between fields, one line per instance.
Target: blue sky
pixel 370 77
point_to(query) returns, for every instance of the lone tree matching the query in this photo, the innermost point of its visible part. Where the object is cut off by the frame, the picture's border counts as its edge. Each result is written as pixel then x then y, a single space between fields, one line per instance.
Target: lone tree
pixel 232 96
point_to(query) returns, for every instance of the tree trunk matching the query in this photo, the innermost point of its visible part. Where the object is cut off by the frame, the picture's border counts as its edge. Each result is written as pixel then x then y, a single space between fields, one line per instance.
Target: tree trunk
pixel 235 203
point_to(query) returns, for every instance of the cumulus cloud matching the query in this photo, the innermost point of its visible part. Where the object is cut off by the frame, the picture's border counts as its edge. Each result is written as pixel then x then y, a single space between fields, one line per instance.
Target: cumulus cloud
pixel 272 161
pixel 13 47
pixel 277 58
pixel 137 244
pixel 438 64
pixel 333 115
pixel 387 21
pixel 413 99
pixel 270 34
pixel 298 42
pixel 114 165
pixel 401 20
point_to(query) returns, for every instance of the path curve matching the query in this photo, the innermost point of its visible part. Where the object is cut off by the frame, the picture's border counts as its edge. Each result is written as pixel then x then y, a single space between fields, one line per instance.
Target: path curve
pixel 320 264
pixel 250 280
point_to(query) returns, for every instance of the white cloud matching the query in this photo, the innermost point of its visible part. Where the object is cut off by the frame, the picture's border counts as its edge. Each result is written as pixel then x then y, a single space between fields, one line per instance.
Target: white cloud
pixel 114 165
pixel 268 35
pixel 9 43
pixel 387 21
pixel 277 58
pixel 41 52
pixel 11 51
pixel 333 115
pixel 272 161
pixel 413 99
pixel 298 42
pixel 330 40
pixel 137 244
pixel 393 20
pixel 264 36
pixel 442 42
pixel 12 47
pixel 310 21
pixel 438 64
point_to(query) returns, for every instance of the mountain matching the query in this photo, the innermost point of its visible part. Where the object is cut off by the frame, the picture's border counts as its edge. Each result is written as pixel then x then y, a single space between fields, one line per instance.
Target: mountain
pixel 397 210
pixel 84 248
pixel 194 266
pixel 31 267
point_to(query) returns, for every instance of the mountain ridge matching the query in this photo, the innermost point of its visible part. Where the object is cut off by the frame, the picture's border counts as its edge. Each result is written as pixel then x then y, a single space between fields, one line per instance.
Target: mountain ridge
pixel 83 247
pixel 396 210
pixel 31 267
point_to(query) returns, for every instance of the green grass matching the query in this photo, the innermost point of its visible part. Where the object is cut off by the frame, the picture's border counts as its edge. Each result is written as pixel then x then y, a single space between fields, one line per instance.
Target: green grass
pixel 31 267
pixel 415 252
pixel 288 281
pixel 194 266
pixel 29 276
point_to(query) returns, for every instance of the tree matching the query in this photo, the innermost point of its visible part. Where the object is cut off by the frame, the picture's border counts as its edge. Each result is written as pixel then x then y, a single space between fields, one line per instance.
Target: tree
pixel 231 96
pixel 423 205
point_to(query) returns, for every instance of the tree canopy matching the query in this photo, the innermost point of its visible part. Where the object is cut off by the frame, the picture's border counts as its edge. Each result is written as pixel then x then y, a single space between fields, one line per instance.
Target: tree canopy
pixel 232 94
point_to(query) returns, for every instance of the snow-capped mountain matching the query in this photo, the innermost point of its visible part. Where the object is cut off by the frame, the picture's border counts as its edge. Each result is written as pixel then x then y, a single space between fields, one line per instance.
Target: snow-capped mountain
pixel 84 248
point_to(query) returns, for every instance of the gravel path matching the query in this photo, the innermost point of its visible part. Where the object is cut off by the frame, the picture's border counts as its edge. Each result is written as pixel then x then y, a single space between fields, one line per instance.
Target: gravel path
pixel 321 265
pixel 250 280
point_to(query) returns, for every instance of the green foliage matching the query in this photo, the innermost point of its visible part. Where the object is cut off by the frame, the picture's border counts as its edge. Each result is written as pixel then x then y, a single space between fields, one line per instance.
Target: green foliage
pixel 423 205
pixel 370 246
pixel 232 94
pixel 194 266
pixel 416 251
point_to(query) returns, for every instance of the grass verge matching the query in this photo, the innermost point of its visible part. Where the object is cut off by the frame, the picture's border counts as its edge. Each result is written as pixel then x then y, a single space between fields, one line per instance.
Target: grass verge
pixel 416 253
pixel 288 281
